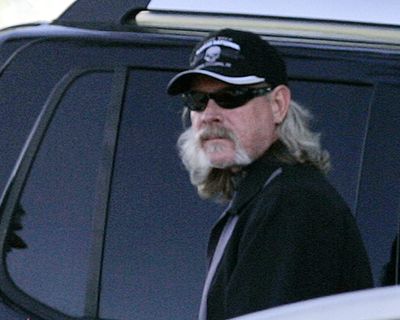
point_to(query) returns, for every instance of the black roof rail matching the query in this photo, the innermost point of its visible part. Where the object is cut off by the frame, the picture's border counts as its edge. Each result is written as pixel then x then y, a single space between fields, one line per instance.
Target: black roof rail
pixel 102 12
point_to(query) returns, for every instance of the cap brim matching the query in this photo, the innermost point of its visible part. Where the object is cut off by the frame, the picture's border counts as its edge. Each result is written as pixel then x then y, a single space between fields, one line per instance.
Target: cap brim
pixel 180 83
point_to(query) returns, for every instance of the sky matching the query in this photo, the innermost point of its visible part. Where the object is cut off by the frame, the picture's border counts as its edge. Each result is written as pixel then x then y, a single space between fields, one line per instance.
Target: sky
pixel 13 12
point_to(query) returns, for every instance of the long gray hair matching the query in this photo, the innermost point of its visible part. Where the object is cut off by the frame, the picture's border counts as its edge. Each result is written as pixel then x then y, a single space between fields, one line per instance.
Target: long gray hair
pixel 296 143
pixel 302 144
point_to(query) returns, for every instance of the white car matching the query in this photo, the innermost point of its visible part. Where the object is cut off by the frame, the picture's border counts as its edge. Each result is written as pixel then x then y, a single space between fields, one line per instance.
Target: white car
pixel 371 304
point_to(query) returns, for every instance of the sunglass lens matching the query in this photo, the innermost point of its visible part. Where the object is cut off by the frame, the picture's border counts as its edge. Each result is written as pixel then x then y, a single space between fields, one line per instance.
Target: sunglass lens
pixel 231 99
pixel 195 101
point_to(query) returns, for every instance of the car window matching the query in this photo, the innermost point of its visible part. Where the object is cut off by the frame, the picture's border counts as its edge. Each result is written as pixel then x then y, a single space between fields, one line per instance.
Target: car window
pixel 378 204
pixel 340 113
pixel 157 229
pixel 155 249
pixel 51 263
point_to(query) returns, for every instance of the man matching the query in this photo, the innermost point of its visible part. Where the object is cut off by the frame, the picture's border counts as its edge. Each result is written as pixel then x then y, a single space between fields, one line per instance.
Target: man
pixel 286 235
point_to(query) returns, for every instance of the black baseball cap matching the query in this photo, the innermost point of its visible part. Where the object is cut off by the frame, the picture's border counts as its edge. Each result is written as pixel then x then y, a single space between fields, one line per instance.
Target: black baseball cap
pixel 235 57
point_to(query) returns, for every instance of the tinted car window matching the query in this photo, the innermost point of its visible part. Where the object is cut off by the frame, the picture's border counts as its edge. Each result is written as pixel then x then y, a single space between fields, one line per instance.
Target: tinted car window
pixel 379 203
pixel 154 261
pixel 340 113
pixel 57 204
pixel 157 229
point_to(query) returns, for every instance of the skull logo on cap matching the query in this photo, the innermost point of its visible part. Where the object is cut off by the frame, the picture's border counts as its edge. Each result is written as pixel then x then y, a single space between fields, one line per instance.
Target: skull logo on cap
pixel 212 54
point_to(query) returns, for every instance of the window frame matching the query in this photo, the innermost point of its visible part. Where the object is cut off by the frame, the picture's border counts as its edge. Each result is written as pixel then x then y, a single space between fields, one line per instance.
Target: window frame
pixel 13 191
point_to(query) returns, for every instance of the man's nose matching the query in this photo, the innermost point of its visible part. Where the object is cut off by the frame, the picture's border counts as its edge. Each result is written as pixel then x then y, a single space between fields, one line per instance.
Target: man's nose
pixel 212 113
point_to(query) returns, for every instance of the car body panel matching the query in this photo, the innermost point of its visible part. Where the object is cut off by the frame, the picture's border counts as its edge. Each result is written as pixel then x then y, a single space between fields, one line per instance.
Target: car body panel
pixel 375 304
pixel 112 224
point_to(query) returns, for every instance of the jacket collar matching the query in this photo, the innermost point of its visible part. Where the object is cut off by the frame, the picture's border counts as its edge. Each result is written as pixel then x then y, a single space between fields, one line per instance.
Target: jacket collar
pixel 252 179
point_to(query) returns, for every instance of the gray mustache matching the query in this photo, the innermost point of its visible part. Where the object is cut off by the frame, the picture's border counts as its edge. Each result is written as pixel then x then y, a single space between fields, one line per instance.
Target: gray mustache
pixel 216 132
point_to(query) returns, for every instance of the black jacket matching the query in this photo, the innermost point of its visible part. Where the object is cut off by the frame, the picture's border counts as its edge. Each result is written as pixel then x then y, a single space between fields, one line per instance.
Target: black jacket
pixel 295 239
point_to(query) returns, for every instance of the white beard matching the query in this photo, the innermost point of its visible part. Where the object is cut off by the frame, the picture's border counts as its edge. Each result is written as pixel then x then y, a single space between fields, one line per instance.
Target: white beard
pixel 195 158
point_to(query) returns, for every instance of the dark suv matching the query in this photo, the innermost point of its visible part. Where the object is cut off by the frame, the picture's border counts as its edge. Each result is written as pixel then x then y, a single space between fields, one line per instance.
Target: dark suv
pixel 98 217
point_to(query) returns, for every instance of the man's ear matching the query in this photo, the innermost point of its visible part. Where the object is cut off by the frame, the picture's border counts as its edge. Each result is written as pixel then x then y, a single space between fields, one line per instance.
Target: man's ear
pixel 280 100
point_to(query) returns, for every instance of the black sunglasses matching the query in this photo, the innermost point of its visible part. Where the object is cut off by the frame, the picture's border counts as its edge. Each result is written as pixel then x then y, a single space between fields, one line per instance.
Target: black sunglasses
pixel 228 98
